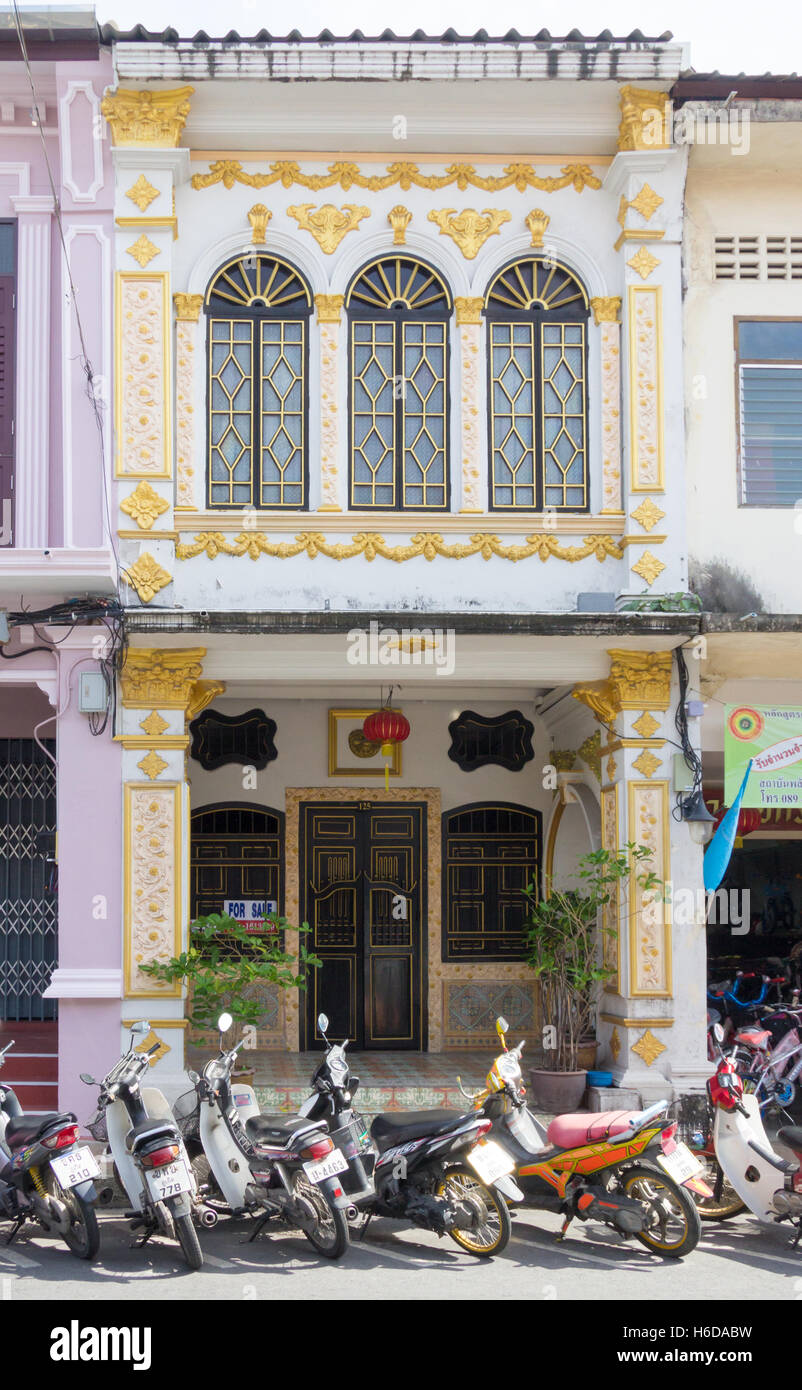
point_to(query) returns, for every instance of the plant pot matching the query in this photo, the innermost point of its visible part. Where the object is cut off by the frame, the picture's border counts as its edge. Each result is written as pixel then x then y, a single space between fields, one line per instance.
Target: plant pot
pixel 557 1092
pixel 586 1053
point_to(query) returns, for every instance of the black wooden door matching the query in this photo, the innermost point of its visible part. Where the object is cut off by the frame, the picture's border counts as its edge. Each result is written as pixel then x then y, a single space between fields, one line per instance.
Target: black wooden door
pixel 363 892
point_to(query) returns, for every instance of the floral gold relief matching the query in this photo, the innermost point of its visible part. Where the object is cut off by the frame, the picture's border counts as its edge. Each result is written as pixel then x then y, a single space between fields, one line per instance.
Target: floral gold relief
pixel 144 505
pixel 648 514
pixel 153 724
pixel 644 314
pixel 154 118
pixel 329 413
pixel 259 216
pixel 372 545
pixel 346 175
pixel 643 262
pixel 328 224
pixel 329 307
pixel 143 250
pixel 147 576
pixel 649 930
pixel 141 397
pixel 648 1048
pixel 152 908
pixel 160 678
pixel 185 340
pixel 472 436
pixel 469 229
pixel 142 193
pixel 537 222
pixel 152 765
pixel 646 203
pixel 648 567
pixel 399 218
pixel 642 680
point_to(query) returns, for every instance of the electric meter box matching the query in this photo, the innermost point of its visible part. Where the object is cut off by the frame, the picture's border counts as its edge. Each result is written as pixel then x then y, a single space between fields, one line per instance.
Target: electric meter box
pixel 93 695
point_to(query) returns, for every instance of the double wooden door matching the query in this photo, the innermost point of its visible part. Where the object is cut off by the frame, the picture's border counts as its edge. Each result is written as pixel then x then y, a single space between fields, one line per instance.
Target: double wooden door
pixel 363 893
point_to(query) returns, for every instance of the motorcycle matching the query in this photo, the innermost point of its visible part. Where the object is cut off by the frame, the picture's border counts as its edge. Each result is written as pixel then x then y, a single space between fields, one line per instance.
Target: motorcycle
pixel 432 1168
pixel 621 1167
pixel 45 1175
pixel 769 1185
pixel 149 1156
pixel 270 1166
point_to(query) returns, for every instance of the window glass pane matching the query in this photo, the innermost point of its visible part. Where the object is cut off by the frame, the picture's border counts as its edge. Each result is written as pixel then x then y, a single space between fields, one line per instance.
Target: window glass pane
pixel 6 248
pixel 424 412
pixel 282 414
pixel 563 415
pixel 513 426
pixel 373 415
pixel 771 436
pixel 231 365
pixel 763 340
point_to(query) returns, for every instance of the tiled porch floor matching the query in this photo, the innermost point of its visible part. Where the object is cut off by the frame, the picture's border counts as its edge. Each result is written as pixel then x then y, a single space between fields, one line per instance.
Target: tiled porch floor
pixel 387 1080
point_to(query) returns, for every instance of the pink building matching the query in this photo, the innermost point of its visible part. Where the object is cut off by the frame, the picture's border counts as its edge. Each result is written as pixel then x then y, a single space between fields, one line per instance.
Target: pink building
pixel 55 318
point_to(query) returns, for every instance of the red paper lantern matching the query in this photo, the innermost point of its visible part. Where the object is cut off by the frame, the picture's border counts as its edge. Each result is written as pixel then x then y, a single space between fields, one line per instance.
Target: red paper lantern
pixel 387 727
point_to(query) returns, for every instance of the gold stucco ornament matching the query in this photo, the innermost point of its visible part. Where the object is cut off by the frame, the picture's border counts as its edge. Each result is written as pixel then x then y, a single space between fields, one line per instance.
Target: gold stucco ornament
pixel 643 262
pixel 469 229
pixel 152 118
pixel 147 576
pixel 143 250
pixel 648 514
pixel 328 224
pixel 648 1048
pixel 648 567
pixel 259 216
pixel 142 193
pixel 144 505
pixel 537 222
pixel 152 764
pixel 399 218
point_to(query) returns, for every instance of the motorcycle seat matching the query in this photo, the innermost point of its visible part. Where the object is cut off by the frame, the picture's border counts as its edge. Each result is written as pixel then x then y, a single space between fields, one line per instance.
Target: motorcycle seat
pixel 757 1037
pixel 24 1129
pixel 400 1127
pixel 792 1136
pixel 278 1131
pixel 568 1131
pixel 151 1128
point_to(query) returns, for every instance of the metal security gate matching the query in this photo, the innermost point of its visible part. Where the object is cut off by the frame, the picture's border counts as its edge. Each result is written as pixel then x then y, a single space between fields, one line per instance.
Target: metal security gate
pixel 28 899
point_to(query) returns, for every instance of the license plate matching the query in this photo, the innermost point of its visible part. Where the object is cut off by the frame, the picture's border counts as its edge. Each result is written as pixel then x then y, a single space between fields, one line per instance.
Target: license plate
pixel 680 1164
pixel 327 1167
pixel 75 1167
pixel 169 1181
pixel 490 1161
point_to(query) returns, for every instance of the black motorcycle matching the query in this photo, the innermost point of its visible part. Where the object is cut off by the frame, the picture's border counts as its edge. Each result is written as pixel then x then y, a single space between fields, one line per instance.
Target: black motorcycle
pixel 46 1175
pixel 429 1167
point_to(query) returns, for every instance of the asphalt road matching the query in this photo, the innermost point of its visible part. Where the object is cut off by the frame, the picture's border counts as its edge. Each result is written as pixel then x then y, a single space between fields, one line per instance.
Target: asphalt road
pixel 394 1262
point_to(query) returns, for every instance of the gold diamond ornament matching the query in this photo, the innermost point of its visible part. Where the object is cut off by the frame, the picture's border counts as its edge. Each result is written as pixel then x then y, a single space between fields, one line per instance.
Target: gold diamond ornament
pixel 152 765
pixel 646 725
pixel 144 505
pixel 142 193
pixel 647 202
pixel 143 250
pixel 648 1048
pixel 648 567
pixel 647 764
pixel 648 514
pixel 147 576
pixel 643 262
pixel 154 725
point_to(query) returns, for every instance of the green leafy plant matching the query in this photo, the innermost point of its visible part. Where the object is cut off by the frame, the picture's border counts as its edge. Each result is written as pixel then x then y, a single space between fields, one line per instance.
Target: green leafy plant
pixel 563 942
pixel 224 960
pixel 663 603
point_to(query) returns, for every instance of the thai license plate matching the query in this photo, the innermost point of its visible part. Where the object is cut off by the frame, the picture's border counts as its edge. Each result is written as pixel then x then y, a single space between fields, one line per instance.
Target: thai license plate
pixel 169 1181
pixel 327 1167
pixel 680 1164
pixel 75 1167
pixel 490 1161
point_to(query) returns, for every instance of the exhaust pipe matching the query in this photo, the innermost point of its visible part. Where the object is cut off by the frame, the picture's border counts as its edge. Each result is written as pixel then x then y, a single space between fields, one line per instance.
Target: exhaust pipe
pixel 352 1213
pixel 208 1217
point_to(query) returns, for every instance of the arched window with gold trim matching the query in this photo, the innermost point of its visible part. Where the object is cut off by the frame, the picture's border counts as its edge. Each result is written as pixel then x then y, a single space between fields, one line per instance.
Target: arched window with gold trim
pixel 398 311
pixel 257 308
pixel 536 311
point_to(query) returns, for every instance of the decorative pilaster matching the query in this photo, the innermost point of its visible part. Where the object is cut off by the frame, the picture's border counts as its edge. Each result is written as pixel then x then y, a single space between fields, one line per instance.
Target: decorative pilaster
pixel 469 320
pixel 157 688
pixel 187 314
pixel 606 314
pixel 33 370
pixel 143 387
pixel 645 325
pixel 329 313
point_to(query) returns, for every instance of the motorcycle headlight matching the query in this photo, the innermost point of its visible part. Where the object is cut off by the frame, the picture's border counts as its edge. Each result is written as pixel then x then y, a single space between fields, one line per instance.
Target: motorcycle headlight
pixel 509 1069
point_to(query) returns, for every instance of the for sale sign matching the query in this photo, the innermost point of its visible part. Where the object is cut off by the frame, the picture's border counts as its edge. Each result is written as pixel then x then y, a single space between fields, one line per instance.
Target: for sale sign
pixel 772 738
pixel 250 913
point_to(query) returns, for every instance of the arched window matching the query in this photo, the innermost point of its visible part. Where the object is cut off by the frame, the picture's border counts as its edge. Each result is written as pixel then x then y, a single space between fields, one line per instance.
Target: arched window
pixel 257 308
pixel 536 312
pixel 398 310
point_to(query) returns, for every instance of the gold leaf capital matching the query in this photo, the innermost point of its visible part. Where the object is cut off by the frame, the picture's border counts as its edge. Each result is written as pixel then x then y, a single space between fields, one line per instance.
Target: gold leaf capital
pixel 147 118
pixel 160 678
pixel 329 307
pixel 469 308
pixel 187 307
pixel 644 119
pixel 606 308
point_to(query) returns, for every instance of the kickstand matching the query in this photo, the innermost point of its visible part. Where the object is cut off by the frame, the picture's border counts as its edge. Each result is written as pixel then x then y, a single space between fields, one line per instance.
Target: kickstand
pixel 564 1228
pixel 18 1224
pixel 797 1237
pixel 263 1220
pixel 138 1244
pixel 364 1230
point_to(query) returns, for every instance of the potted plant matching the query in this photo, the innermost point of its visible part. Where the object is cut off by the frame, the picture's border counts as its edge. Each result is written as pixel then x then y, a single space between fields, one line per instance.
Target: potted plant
pixel 222 963
pixel 563 943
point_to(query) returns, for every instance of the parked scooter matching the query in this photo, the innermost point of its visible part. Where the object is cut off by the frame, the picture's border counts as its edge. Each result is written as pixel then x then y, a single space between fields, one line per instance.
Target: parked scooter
pixel 621 1167
pixel 148 1151
pixel 432 1168
pixel 46 1175
pixel 270 1166
pixel 769 1185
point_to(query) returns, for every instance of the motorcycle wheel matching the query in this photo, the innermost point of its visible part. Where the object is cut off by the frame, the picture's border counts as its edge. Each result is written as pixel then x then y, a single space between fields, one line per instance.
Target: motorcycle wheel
pixel 678 1228
pixel 491 1235
pixel 83 1235
pixel 725 1201
pixel 188 1240
pixel 330 1236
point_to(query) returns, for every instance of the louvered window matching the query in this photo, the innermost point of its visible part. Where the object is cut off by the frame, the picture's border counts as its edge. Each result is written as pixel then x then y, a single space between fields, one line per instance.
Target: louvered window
pixel 758 257
pixel 769 364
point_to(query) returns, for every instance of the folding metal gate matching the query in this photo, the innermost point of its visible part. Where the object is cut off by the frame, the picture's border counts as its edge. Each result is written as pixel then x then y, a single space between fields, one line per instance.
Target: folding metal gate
pixel 28 900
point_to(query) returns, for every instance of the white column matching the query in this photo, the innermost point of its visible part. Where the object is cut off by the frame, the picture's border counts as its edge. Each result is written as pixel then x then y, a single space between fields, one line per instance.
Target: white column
pixel 32 446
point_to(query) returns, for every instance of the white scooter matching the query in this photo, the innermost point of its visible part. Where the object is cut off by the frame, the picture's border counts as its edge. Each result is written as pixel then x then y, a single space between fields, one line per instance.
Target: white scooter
pixel 281 1167
pixel 769 1185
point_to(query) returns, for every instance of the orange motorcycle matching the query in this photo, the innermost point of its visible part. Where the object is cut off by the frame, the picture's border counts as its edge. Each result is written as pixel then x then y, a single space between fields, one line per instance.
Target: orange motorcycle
pixel 621 1167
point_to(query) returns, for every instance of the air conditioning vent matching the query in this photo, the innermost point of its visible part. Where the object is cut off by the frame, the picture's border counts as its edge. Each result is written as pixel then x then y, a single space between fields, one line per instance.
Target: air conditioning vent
pixel 758 257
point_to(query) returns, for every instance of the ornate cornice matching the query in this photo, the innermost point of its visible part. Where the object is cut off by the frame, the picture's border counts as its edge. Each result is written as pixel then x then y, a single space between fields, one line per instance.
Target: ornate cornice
pixel 344 174
pixel 147 118
pixel 157 678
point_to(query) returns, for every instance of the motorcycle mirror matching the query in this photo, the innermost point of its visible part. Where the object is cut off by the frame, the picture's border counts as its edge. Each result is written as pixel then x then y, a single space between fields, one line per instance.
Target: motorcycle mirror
pixel 502 1026
pixel 141 1027
pixel 224 1022
pixel 718 1032
pixel 87 1079
pixel 323 1023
